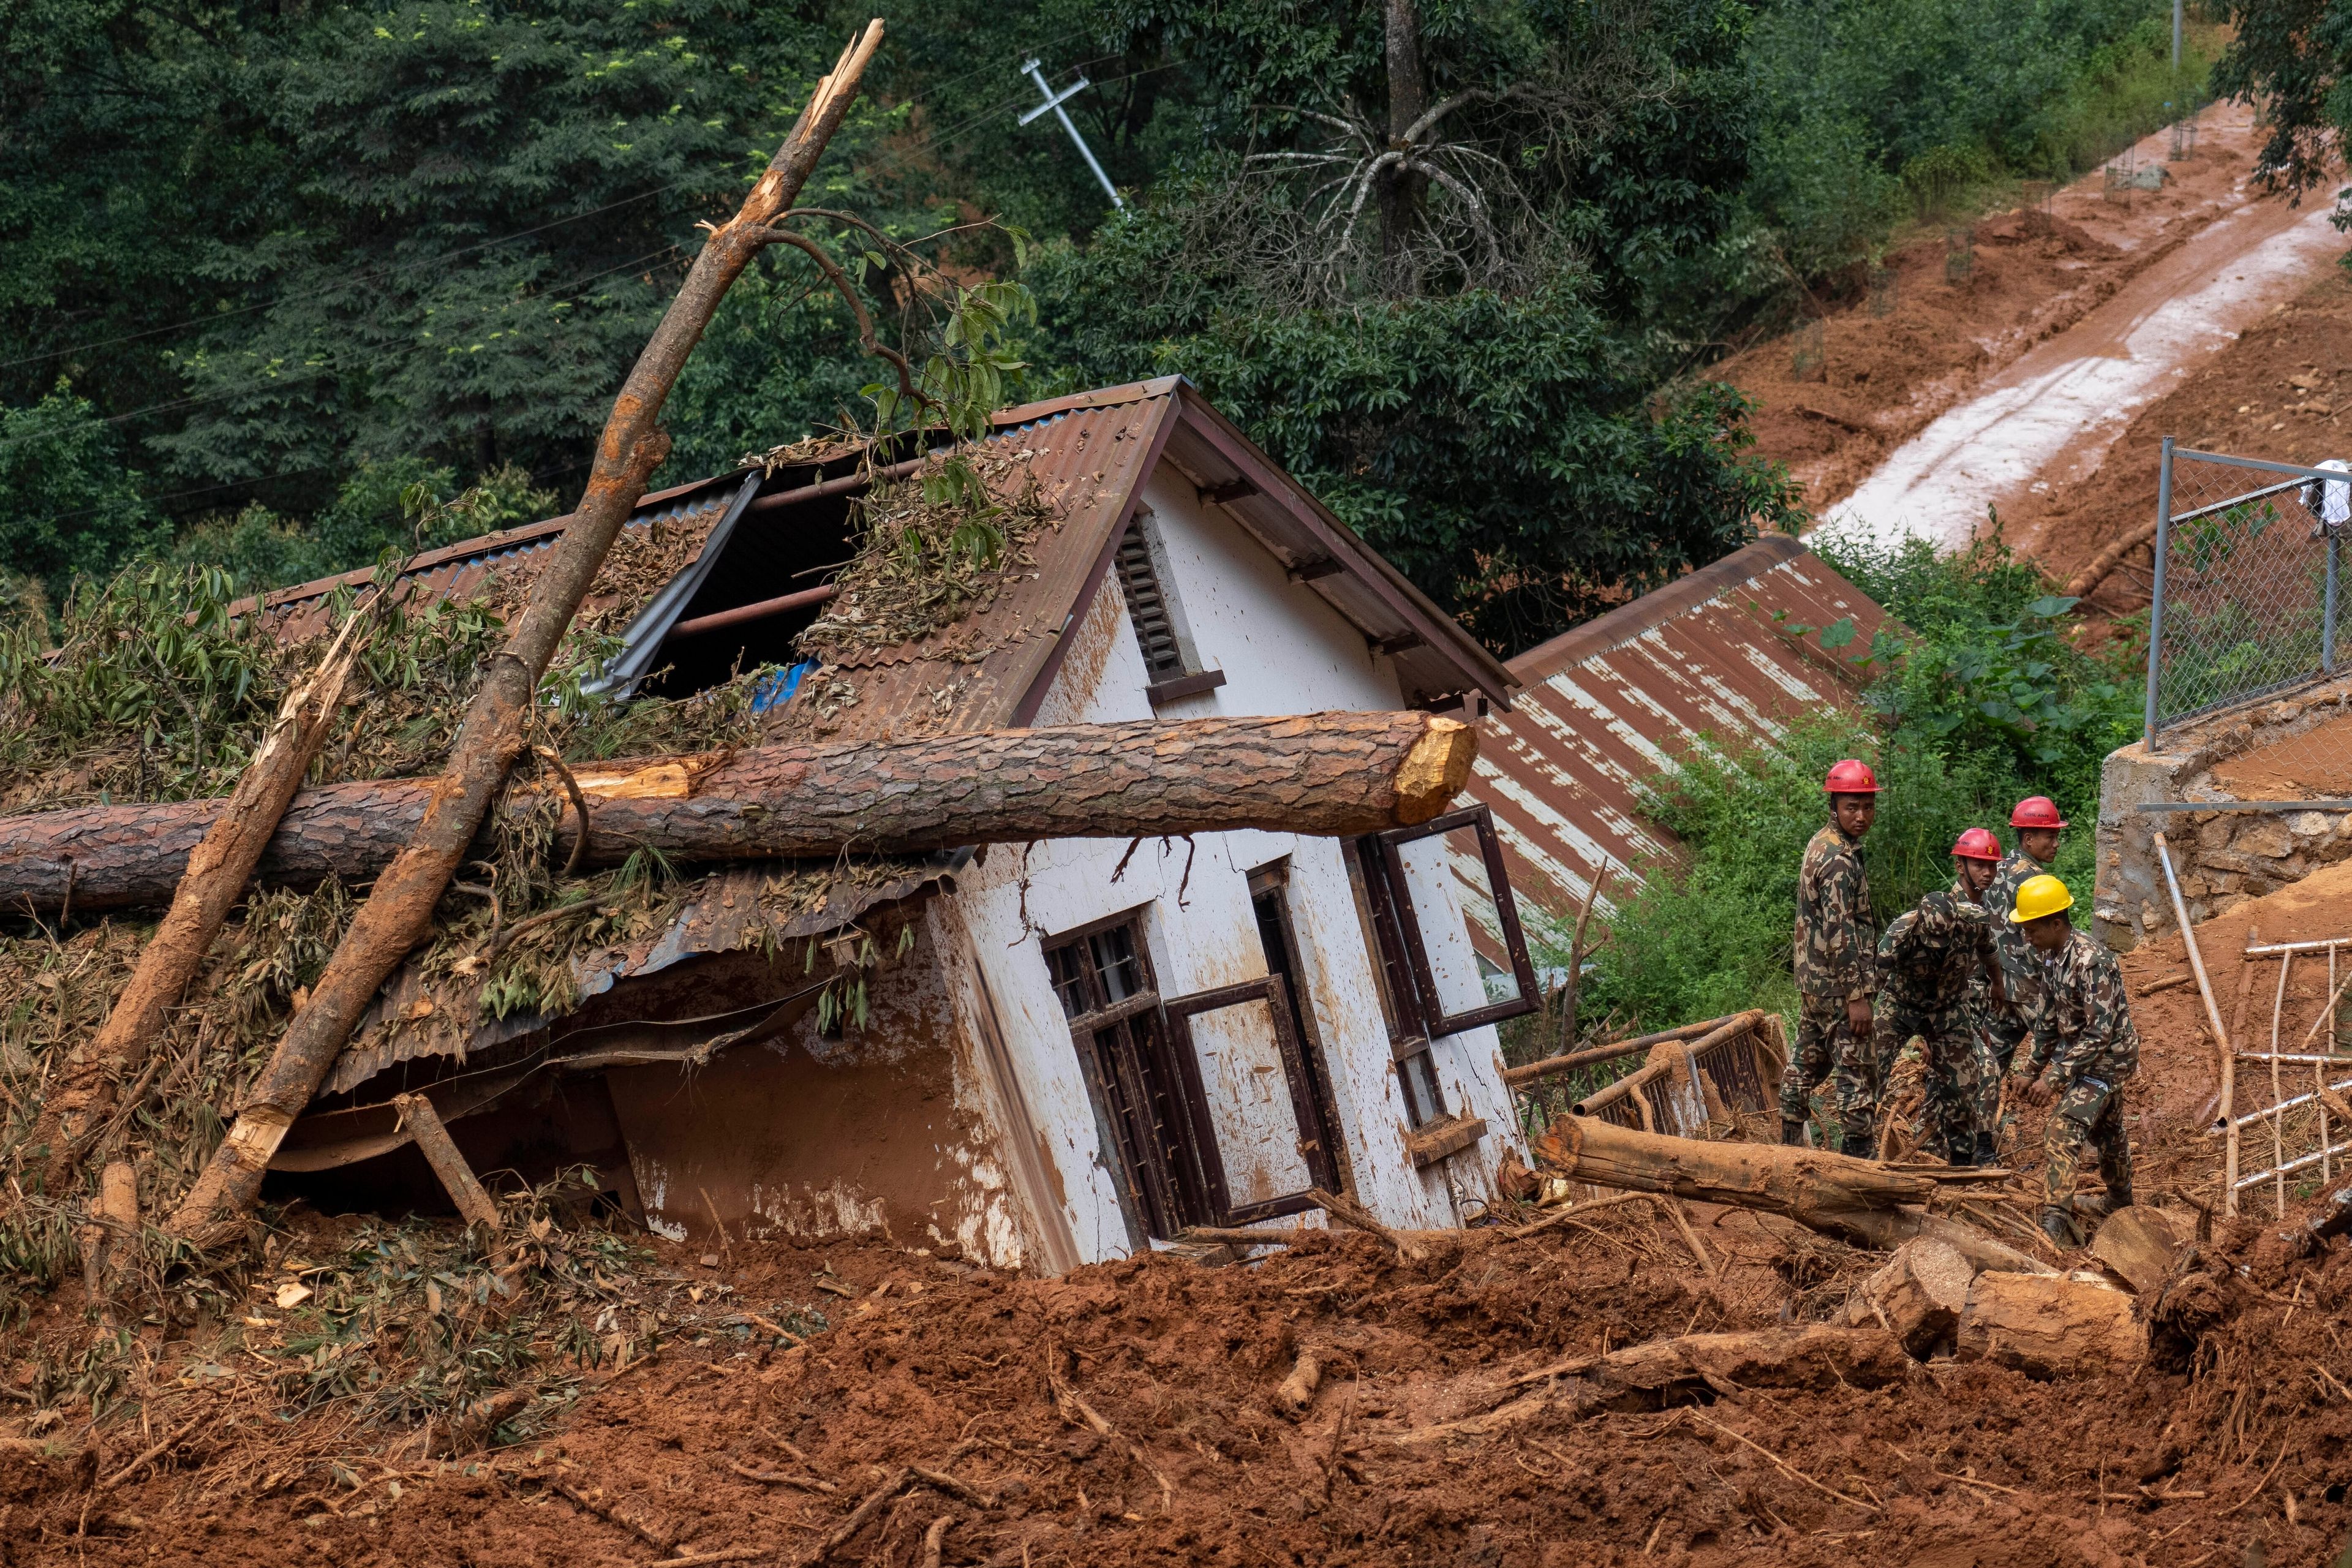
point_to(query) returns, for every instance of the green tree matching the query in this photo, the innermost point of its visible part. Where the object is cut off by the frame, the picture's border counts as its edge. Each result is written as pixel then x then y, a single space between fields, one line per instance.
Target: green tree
pixel 67 505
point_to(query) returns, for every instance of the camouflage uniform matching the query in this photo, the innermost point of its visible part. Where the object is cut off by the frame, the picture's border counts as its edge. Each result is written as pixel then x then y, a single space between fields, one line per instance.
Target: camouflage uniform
pixel 2008 1024
pixel 1835 937
pixel 1929 962
pixel 2083 1035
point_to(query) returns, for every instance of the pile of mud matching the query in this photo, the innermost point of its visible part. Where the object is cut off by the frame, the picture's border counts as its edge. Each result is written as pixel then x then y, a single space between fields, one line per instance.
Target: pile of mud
pixel 1134 1412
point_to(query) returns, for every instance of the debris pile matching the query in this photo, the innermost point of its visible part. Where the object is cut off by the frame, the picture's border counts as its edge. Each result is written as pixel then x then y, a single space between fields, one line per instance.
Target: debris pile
pixel 1548 1391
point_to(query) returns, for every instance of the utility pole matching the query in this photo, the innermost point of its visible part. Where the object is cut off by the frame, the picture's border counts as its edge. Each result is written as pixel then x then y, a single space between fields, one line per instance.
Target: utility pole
pixel 1054 102
pixel 2175 36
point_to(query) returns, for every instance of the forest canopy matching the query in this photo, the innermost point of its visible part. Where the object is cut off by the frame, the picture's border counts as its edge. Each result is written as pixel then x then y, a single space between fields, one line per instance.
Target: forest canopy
pixel 274 271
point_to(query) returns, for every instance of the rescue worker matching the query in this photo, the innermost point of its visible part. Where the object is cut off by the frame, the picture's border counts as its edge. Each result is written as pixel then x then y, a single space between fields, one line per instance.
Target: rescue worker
pixel 1836 944
pixel 2038 824
pixel 1931 962
pixel 2085 1048
pixel 1978 856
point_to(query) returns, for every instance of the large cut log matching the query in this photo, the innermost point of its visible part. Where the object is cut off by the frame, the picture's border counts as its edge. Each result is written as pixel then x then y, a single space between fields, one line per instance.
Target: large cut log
pixel 1338 774
pixel 1919 1296
pixel 1811 1186
pixel 2051 1327
pixel 2140 1243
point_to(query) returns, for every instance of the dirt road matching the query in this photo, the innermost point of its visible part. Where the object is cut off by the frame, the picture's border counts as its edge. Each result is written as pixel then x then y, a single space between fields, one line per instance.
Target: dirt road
pixel 2006 386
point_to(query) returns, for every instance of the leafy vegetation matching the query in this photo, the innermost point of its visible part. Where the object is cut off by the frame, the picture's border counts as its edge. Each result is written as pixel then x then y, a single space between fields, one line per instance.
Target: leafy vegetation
pixel 1980 699
pixel 272 268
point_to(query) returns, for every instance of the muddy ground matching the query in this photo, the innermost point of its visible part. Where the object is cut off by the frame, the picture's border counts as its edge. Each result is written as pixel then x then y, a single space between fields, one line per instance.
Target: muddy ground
pixel 731 1442
pixel 1894 360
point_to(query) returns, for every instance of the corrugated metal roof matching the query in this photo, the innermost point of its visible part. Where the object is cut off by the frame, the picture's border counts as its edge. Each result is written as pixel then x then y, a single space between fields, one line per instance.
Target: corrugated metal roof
pixel 457 569
pixel 1607 706
pixel 417 1015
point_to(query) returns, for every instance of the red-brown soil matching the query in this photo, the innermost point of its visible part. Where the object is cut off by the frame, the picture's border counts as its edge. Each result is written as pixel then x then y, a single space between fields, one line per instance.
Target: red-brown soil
pixel 1967 1464
pixel 2281 391
pixel 2033 274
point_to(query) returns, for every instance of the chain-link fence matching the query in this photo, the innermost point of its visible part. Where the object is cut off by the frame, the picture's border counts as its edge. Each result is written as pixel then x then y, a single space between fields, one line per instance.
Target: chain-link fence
pixel 2246 589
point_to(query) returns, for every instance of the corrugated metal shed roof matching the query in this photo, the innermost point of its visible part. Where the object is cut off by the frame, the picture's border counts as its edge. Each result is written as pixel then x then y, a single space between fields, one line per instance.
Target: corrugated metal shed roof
pixel 1609 705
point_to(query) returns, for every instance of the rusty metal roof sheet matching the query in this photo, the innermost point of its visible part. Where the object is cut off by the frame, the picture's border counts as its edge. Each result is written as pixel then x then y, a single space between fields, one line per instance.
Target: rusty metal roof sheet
pixel 418 1016
pixel 456 571
pixel 1609 704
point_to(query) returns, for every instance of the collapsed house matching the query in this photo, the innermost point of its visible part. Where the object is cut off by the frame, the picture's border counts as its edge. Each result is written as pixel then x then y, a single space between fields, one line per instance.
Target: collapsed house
pixel 1040 1055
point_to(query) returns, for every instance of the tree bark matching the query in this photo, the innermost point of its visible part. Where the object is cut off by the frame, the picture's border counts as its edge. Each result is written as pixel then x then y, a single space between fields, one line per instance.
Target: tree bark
pixel 1815 1188
pixel 1402 190
pixel 2051 1326
pixel 2095 570
pixel 398 913
pixel 210 879
pixel 458 1179
pixel 1333 775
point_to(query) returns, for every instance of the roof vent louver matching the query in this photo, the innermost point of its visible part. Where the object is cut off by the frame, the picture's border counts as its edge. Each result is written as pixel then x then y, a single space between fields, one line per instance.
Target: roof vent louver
pixel 1146 604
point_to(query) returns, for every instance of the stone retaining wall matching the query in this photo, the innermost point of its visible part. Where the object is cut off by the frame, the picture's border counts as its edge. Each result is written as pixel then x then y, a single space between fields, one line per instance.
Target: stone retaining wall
pixel 2222 857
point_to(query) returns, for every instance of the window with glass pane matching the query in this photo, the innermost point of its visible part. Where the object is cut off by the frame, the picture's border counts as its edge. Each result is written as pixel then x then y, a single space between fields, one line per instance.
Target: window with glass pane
pixel 1104 979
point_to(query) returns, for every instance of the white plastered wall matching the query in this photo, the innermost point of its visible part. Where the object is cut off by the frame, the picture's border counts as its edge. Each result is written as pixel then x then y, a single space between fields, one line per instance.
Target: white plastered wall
pixel 1283 650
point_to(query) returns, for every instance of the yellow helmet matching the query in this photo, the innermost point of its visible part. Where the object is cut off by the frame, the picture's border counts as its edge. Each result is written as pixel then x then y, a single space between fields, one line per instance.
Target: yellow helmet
pixel 2040 896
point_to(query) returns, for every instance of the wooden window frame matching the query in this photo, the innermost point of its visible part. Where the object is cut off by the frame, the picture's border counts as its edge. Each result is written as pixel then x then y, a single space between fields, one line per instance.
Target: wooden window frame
pixel 1178 1182
pixel 1490 848
pixel 1181 1011
pixel 1174 1177
pixel 1310 1076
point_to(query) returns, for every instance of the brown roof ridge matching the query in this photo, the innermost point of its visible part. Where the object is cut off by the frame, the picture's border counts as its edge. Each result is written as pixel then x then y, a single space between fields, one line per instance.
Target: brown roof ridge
pixel 1100 397
pixel 1686 593
pixel 1414 608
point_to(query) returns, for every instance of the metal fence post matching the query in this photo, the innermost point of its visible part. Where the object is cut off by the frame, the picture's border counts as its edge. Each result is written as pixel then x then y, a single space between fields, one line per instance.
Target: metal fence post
pixel 2327 607
pixel 2156 606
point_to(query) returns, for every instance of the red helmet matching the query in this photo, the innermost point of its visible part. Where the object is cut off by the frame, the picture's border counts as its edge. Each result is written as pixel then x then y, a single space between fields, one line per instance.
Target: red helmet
pixel 2036 811
pixel 1850 777
pixel 1978 843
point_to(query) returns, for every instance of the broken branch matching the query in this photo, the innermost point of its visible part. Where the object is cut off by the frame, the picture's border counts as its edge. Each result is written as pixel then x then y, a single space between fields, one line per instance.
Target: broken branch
pixel 398 913
pixel 1355 1215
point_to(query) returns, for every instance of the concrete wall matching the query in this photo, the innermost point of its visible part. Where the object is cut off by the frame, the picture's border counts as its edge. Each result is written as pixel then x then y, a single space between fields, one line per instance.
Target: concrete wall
pixel 1283 651
pixel 2222 857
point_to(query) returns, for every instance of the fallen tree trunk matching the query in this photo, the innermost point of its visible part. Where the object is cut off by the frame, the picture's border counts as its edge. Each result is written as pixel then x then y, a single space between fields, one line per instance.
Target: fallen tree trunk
pixel 1338 774
pixel 1663 1372
pixel 1815 1188
pixel 210 883
pixel 398 913
pixel 2095 570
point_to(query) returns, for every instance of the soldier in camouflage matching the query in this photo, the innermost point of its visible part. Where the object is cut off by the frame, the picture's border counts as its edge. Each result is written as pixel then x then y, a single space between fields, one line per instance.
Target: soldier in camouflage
pixel 2085 1047
pixel 1836 939
pixel 1931 962
pixel 2008 1024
